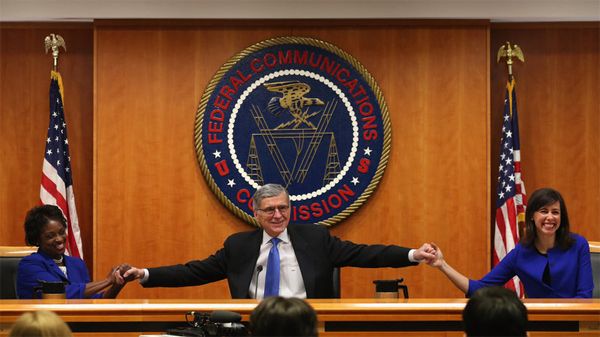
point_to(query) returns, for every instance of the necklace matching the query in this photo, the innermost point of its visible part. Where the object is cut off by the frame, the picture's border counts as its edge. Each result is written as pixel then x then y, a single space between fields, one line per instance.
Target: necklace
pixel 59 260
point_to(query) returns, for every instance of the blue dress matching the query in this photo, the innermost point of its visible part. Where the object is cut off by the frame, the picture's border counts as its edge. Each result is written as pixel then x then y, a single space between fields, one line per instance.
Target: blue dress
pixel 39 266
pixel 570 271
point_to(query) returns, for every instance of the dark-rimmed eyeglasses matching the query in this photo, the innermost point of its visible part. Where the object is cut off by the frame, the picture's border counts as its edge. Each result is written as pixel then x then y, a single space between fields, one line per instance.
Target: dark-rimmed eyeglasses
pixel 271 210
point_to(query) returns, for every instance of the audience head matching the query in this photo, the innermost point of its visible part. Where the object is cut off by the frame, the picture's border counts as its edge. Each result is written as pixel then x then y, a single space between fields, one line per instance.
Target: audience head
pixel 495 311
pixel 46 227
pixel 40 324
pixel 278 316
pixel 540 199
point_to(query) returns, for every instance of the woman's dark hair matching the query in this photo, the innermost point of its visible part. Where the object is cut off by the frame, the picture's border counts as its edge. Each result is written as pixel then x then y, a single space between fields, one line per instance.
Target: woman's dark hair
pixel 278 316
pixel 539 199
pixel 37 218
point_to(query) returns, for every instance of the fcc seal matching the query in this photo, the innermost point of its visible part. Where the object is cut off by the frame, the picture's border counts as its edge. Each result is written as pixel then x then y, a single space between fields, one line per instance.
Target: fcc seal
pixel 298 112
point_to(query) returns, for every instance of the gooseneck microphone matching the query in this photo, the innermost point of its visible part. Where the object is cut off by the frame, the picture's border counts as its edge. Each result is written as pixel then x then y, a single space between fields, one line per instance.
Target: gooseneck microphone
pixel 259 268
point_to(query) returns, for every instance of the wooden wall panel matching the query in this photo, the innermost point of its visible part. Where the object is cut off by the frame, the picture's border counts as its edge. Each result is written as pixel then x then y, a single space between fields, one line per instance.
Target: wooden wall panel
pixel 24 85
pixel 153 206
pixel 558 92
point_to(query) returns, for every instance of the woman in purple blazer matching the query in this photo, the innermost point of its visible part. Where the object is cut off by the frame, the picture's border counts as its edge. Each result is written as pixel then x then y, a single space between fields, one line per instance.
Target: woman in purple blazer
pixel 550 261
pixel 46 228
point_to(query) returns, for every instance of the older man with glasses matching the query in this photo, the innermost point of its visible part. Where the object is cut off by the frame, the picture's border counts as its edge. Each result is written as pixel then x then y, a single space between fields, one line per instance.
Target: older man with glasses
pixel 297 259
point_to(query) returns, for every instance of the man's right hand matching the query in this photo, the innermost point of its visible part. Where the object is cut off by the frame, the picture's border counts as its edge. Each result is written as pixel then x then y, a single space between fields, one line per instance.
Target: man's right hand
pixel 133 273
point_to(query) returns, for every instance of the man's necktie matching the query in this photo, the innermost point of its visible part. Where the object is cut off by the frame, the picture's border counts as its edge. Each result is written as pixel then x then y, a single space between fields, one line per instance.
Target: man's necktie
pixel 272 278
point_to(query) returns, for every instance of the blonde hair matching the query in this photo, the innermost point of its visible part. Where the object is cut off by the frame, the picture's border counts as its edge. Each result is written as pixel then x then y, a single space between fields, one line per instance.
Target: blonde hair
pixel 40 324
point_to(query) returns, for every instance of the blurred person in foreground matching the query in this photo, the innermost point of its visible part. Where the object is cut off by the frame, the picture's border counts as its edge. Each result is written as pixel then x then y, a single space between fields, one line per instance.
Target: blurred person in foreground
pixel 278 316
pixel 40 324
pixel 46 228
pixel 495 311
pixel 551 261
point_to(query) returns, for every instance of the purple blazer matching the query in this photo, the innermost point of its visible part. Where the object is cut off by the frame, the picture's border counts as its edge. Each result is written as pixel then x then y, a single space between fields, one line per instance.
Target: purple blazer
pixel 39 266
pixel 570 271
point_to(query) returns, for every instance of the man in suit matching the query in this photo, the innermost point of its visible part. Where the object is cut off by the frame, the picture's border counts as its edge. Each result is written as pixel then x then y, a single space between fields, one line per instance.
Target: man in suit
pixel 305 254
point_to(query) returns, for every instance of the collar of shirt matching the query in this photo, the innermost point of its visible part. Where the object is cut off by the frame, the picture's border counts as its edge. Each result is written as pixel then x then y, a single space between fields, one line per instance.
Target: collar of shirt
pixel 284 237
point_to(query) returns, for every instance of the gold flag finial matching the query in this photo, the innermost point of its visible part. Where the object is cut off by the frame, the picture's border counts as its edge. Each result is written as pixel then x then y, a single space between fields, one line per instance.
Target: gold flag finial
pixel 54 41
pixel 509 52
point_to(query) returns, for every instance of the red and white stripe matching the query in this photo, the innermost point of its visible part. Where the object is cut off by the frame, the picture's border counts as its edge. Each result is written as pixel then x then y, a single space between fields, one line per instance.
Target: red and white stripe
pixel 54 192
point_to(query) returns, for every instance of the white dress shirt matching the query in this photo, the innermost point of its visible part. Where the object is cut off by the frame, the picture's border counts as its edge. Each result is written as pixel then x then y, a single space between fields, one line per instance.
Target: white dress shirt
pixel 291 283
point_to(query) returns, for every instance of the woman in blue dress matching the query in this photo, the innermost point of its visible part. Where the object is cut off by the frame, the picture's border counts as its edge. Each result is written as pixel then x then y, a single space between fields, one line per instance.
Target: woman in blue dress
pixel 550 261
pixel 46 228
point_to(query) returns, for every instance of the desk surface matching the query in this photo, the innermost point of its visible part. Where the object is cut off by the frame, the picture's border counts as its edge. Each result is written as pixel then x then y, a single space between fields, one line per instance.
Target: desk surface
pixel 123 310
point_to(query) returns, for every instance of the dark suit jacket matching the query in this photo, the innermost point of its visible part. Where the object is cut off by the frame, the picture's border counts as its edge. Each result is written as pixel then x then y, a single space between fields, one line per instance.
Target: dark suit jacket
pixel 316 250
pixel 39 266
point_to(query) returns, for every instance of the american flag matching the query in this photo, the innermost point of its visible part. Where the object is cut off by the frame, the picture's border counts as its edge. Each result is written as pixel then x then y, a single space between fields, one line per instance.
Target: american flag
pixel 512 200
pixel 57 183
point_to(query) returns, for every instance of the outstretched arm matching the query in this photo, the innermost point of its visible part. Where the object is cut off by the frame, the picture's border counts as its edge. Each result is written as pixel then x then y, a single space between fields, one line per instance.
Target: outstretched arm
pixel 92 288
pixel 118 282
pixel 459 280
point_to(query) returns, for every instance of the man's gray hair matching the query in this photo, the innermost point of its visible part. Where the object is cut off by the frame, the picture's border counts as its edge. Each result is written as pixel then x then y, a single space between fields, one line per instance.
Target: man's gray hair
pixel 268 191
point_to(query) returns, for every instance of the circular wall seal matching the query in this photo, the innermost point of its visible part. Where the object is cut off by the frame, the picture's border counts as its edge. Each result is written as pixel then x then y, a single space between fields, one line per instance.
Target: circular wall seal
pixel 298 112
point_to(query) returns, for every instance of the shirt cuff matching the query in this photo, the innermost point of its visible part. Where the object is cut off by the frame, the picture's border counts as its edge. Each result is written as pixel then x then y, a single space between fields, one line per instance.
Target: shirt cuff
pixel 411 256
pixel 145 277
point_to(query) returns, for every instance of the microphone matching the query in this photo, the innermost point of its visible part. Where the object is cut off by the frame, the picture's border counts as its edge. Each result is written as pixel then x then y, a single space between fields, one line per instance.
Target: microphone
pixel 259 268
pixel 223 316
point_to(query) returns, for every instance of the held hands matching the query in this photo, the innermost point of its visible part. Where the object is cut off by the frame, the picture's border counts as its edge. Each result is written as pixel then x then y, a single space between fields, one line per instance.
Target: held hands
pixel 115 276
pixel 426 253
pixel 438 261
pixel 115 281
pixel 133 273
pixel 431 254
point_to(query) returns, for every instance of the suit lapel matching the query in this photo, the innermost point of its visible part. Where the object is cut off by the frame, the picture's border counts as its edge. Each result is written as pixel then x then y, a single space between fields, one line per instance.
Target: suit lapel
pixel 249 255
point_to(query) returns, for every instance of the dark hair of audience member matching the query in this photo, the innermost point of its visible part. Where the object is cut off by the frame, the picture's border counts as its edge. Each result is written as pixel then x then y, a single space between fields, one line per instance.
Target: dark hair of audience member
pixel 278 316
pixel 495 311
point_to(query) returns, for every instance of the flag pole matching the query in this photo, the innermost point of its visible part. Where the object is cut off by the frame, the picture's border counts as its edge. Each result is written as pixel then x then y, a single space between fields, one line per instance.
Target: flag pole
pixel 511 197
pixel 54 41
pixel 509 52
pixel 57 181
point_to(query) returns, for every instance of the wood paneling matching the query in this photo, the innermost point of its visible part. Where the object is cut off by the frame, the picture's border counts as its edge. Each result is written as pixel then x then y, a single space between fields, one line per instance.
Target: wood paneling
pixel 24 85
pixel 558 92
pixel 153 206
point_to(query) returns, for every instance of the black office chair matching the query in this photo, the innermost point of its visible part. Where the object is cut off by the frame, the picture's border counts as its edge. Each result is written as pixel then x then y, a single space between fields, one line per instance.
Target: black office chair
pixel 10 256
pixel 595 256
